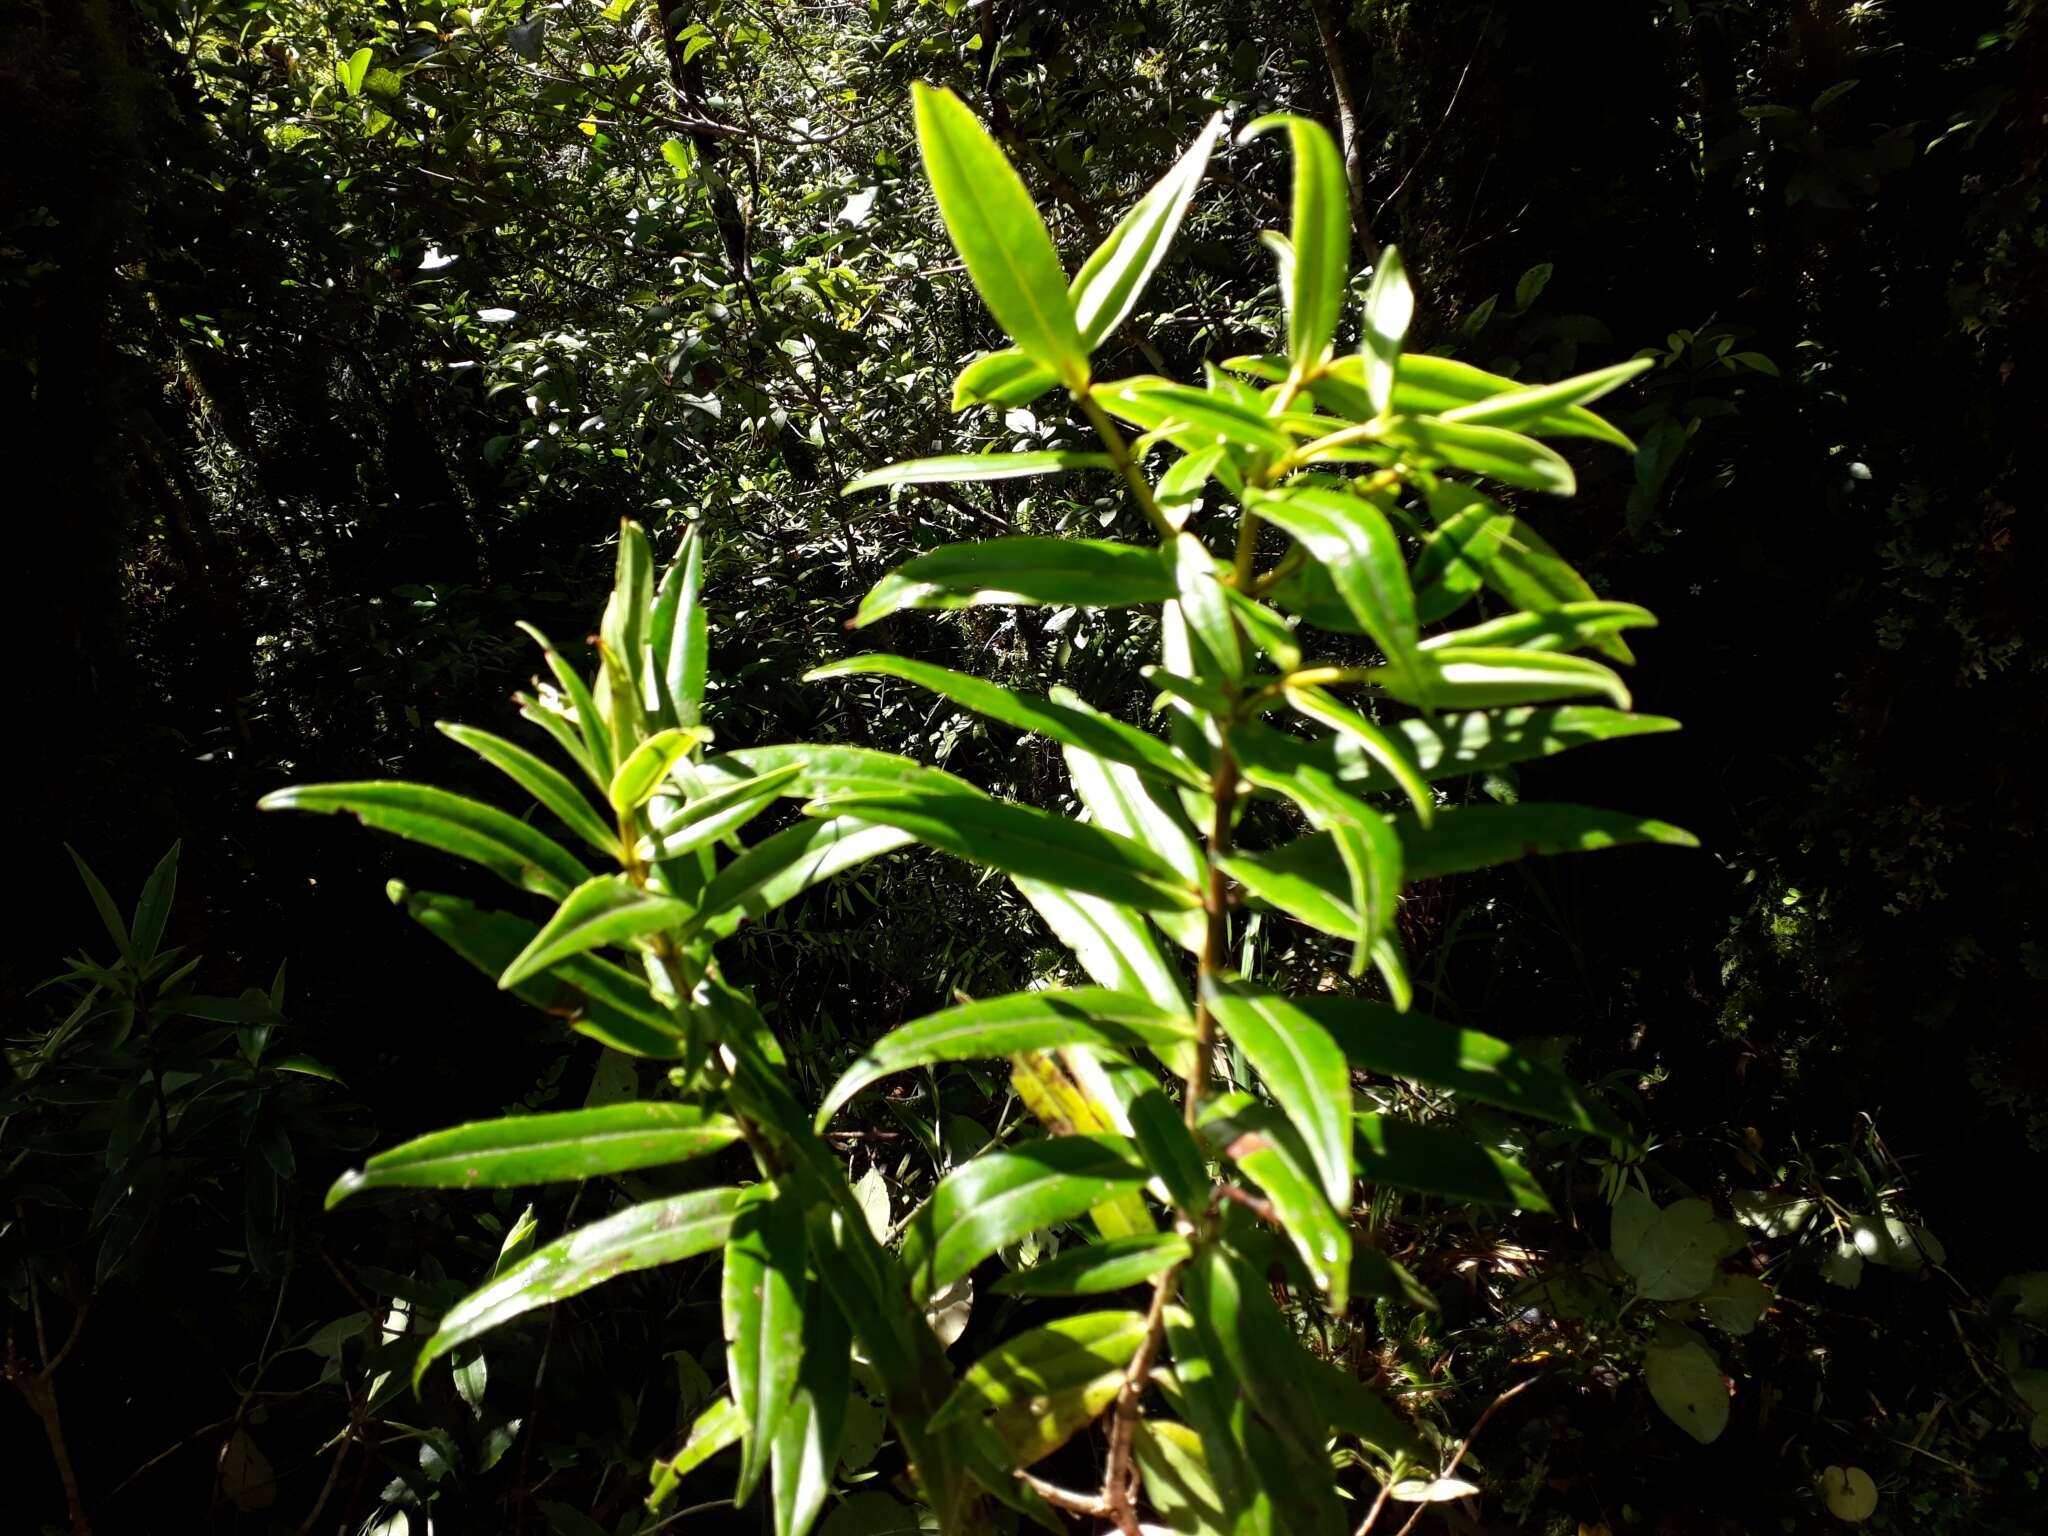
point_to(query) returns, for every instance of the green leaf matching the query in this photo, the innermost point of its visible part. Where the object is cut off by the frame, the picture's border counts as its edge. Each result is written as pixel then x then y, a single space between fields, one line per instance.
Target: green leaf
pixel 998 233
pixel 544 1149
pixel 153 907
pixel 678 641
pixel 1389 308
pixel 641 1236
pixel 957 467
pixel 1456 558
pixel 1521 567
pixel 1430 386
pixel 1304 1069
pixel 1115 1264
pixel 1528 407
pixel 829 770
pixel 1305 879
pixel 1173 1461
pixel 1193 418
pixel 608 909
pixel 1494 452
pixel 1101 734
pixel 1021 840
pixel 1478 741
pixel 1038 1389
pixel 1567 627
pixel 717 1427
pixel 599 999
pixel 1000 1196
pixel 1107 287
pixel 648 766
pixel 1391 756
pixel 805 1455
pixel 761 1301
pixel 1487 676
pixel 1352 540
pixel 1002 1026
pixel 1673 1252
pixel 1114 944
pixel 1241 1327
pixel 1002 378
pixel 1424 1050
pixel 1685 1381
pixel 354 70
pixel 1433 1160
pixel 1320 237
pixel 1374 1274
pixel 1212 1398
pixel 1083 573
pixel 710 817
pixel 1736 1303
pixel 781 867
pixel 542 780
pixel 630 609
pixel 1270 1148
pixel 1481 836
pixel 103 901
pixel 469 829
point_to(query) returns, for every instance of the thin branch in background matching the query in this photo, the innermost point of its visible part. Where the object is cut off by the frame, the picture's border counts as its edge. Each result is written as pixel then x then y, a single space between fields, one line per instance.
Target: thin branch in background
pixel 1423 153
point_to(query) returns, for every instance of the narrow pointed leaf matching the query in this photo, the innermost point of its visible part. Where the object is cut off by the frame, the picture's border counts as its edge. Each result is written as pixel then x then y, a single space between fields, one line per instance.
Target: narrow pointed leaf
pixel 1163 406
pixel 1433 1160
pixel 544 1149
pixel 805 1455
pixel 1388 753
pixel 1020 840
pixel 998 233
pixel 1082 573
pixel 1389 308
pixel 1000 1196
pixel 1270 1148
pixel 1481 836
pixel 1567 627
pixel 1487 676
pixel 1002 378
pixel 547 784
pixel 1526 407
pixel 1091 730
pixel 1494 452
pixel 761 1301
pixel 640 1237
pixel 508 847
pixel 781 867
pixel 1478 741
pixel 608 909
pixel 1113 1265
pixel 1002 1026
pixel 717 1427
pixel 649 765
pixel 1240 1325
pixel 1430 386
pixel 960 467
pixel 1038 1389
pixel 153 906
pixel 826 769
pixel 1302 1067
pixel 710 817
pixel 1320 238
pixel 1113 944
pixel 1352 540
pixel 1113 277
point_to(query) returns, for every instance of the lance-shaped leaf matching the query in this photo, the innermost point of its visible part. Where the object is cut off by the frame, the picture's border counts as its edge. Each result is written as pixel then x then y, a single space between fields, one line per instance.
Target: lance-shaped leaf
pixel 1173 1461
pixel 1432 386
pixel 1112 943
pixel 1240 1325
pixel 1389 307
pixel 1209 1394
pixel 781 867
pixel 1115 1264
pixel 959 467
pixel 1081 573
pixel 1486 676
pixel 1000 1196
pixel 1466 1062
pixel 1021 840
pixel 509 848
pixel 1304 1069
pixel 761 1301
pixel 709 817
pixel 825 769
pixel 608 909
pixel 1481 836
pixel 650 763
pixel 599 999
pixel 1269 1147
pixel 1038 1389
pixel 1193 418
pixel 1002 1026
pixel 1353 542
pixel 542 780
pixel 1306 879
pixel 806 1451
pixel 1116 272
pixel 1435 1161
pixel 1529 406
pixel 1455 559
pixel 1390 754
pixel 1521 566
pixel 1003 378
pixel 544 1149
pixel 1320 238
pixel 717 1427
pixel 640 1237
pixel 678 642
pixel 1069 1093
pixel 1478 741
pixel 997 231
pixel 1567 627
pixel 629 610
pixel 1494 452
pixel 1104 735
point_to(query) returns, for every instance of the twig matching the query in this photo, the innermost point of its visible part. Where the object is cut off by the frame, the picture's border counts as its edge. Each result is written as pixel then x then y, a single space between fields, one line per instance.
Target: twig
pixel 1119 1483
pixel 1065 1498
pixel 1465 1445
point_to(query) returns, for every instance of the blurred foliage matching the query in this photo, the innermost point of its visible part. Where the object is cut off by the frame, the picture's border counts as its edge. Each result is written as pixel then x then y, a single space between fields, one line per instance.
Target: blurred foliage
pixel 317 375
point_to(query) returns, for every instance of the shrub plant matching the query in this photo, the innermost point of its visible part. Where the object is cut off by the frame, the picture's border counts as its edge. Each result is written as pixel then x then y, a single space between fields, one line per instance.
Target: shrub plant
pixel 1311 549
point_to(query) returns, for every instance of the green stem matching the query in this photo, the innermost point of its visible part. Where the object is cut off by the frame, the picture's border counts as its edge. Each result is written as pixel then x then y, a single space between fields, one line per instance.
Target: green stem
pixel 1119 451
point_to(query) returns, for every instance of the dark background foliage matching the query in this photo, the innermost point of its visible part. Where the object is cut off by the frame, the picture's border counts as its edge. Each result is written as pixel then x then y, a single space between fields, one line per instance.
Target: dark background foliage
pixel 283 483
